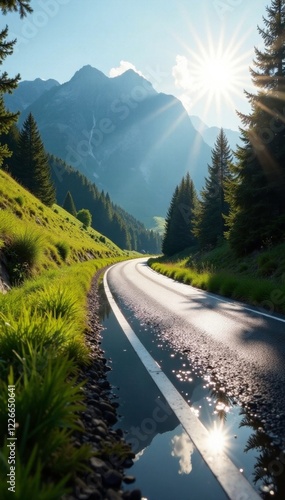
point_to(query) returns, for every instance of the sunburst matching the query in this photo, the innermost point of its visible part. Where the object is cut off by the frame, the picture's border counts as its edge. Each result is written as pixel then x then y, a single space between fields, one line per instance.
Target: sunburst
pixel 218 69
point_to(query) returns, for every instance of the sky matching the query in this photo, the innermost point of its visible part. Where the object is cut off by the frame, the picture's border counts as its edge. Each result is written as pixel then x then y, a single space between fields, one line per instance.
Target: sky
pixel 198 50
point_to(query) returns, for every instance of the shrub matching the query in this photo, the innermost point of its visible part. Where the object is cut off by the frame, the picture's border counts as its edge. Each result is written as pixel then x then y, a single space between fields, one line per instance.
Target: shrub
pixel 228 285
pixel 20 200
pixel 266 265
pixel 23 253
pixel 63 249
pixel 85 217
pixel 25 248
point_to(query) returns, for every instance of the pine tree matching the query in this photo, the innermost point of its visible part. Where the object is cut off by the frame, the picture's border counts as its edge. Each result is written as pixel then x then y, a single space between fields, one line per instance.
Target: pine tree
pixel 86 195
pixel 21 6
pixel 69 205
pixel 6 85
pixel 169 234
pixel 257 196
pixel 11 140
pixel 209 221
pixel 31 167
pixel 179 220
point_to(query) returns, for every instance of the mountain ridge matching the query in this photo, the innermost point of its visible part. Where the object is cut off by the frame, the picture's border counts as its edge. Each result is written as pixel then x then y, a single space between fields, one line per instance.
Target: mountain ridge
pixel 134 142
pixel 210 134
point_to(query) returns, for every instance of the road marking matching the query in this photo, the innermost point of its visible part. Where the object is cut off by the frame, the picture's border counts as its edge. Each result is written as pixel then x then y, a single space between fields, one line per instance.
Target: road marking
pixel 235 303
pixel 227 474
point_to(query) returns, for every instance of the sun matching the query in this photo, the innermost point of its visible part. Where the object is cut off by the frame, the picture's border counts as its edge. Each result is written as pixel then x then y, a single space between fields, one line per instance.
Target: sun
pixel 216 75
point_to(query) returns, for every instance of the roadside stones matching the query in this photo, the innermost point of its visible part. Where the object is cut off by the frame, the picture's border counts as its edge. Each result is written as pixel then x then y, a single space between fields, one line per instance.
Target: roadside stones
pixel 98 464
pixel 112 478
pixel 129 479
pixel 104 479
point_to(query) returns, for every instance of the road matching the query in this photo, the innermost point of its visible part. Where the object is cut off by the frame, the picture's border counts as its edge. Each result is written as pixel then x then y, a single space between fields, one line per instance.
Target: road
pixel 241 347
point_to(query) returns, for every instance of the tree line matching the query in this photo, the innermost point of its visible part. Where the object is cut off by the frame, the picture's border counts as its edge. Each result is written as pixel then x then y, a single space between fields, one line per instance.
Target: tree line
pixel 52 180
pixel 23 155
pixel 243 199
pixel 75 192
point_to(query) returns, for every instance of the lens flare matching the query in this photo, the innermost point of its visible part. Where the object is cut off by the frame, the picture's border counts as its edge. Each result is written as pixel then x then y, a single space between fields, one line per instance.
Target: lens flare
pixel 217 441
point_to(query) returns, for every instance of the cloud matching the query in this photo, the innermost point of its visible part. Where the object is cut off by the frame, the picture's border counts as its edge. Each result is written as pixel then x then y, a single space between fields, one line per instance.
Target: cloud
pixel 124 66
pixel 183 79
pixel 182 73
pixel 183 449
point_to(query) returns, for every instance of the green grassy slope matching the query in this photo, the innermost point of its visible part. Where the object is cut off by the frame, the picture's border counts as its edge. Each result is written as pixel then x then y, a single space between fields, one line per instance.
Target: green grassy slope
pixel 20 211
pixel 50 259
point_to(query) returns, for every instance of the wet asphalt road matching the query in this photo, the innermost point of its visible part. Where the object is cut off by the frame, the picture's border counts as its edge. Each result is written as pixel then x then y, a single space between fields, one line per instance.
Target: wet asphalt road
pixel 238 345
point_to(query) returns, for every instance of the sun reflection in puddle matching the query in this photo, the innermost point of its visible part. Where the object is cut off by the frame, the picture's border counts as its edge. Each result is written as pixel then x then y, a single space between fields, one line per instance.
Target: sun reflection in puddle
pixel 218 440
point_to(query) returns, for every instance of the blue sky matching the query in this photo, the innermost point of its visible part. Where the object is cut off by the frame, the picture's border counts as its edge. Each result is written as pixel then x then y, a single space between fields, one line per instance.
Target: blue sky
pixel 174 43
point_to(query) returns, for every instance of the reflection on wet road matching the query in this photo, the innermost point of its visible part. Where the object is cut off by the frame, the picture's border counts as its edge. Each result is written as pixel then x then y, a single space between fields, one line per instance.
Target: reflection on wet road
pixel 167 465
pixel 199 366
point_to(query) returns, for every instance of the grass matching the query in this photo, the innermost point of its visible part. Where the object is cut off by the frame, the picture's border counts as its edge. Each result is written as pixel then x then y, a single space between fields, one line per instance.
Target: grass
pixel 258 279
pixel 22 253
pixel 61 235
pixel 63 249
pixel 50 260
pixel 46 415
pixel 42 346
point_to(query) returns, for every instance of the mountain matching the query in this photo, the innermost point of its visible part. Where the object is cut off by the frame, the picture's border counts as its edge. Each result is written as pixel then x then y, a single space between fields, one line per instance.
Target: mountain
pixel 210 134
pixel 135 143
pixel 107 218
pixel 27 92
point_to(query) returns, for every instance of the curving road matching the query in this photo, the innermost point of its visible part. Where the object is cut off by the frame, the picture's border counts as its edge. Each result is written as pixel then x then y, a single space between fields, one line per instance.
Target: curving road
pixel 241 346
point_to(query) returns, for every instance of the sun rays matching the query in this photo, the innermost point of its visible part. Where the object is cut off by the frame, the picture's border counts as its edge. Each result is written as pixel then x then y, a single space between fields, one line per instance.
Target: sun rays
pixel 212 72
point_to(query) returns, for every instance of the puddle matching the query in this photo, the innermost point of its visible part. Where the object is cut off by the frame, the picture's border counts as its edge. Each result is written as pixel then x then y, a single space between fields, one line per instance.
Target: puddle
pixel 167 464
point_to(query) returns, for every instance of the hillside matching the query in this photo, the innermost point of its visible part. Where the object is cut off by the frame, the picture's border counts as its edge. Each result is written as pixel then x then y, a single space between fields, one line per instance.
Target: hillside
pixel 49 346
pixel 107 218
pixel 133 142
pixel 60 237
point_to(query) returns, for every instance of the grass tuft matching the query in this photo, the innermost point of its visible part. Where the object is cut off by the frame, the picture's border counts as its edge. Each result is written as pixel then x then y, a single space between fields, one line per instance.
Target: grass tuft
pixel 63 249
pixel 23 252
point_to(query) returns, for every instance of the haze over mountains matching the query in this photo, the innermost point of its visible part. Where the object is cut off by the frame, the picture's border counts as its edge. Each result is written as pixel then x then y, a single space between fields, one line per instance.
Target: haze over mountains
pixel 210 134
pixel 119 132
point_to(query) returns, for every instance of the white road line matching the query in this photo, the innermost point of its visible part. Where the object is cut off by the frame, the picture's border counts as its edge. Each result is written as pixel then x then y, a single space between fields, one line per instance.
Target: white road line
pixel 227 474
pixel 220 299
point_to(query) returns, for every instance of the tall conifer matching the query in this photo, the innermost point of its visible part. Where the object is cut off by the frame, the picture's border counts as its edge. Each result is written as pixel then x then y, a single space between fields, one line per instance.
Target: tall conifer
pixel 257 195
pixel 21 6
pixel 179 220
pixel 69 205
pixel 6 85
pixel 31 167
pixel 209 223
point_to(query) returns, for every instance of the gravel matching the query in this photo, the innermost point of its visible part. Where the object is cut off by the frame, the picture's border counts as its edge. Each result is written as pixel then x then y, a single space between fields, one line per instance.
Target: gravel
pixel 106 475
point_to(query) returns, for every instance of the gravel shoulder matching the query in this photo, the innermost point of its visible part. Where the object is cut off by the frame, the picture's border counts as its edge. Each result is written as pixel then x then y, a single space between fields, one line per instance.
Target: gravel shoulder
pixel 108 469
